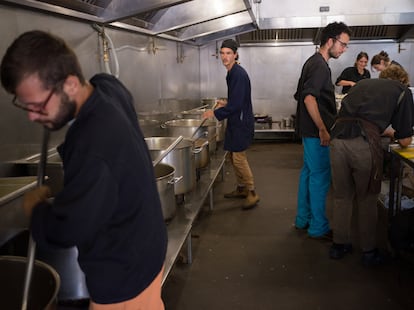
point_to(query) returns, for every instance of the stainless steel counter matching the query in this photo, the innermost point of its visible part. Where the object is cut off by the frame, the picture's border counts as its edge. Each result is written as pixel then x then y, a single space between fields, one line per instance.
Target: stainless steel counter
pixel 275 134
pixel 179 229
pixel 12 220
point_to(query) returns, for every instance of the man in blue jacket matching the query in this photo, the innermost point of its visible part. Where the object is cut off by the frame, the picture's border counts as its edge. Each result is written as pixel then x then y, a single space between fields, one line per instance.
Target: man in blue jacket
pixel 240 123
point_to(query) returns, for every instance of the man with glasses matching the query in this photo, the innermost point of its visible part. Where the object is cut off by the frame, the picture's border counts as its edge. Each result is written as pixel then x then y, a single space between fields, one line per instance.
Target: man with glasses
pixel 316 111
pixel 109 207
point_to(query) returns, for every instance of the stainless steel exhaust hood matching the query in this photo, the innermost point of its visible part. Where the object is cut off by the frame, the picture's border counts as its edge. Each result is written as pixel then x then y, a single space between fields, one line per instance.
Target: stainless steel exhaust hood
pixel 253 21
pixel 301 21
pixel 396 33
pixel 180 20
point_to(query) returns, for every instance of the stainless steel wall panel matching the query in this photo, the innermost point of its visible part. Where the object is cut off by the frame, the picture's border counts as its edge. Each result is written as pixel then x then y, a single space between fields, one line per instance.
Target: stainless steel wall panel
pixel 165 75
pixel 155 80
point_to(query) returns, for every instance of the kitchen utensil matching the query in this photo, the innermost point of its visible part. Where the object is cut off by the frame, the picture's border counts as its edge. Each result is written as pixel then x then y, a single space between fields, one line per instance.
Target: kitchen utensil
pixel 215 104
pixel 167 151
pixel 198 128
pixel 198 108
pixel 32 244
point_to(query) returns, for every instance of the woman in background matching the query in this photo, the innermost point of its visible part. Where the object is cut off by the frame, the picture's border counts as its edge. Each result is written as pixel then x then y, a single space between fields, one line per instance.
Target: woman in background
pixel 381 61
pixel 351 75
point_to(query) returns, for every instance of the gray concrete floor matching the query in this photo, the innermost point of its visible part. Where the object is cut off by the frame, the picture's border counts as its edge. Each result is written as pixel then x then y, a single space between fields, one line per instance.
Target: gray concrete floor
pixel 256 259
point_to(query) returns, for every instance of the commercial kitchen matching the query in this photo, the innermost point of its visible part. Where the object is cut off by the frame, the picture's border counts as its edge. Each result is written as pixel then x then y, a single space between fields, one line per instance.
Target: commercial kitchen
pixel 167 53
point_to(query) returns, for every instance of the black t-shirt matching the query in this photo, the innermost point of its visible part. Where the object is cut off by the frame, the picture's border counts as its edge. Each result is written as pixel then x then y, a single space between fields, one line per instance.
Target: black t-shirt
pixel 352 74
pixel 315 80
pixel 380 101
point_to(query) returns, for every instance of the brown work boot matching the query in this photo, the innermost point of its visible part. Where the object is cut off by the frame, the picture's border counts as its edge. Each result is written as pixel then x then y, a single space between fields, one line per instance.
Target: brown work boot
pixel 239 192
pixel 251 200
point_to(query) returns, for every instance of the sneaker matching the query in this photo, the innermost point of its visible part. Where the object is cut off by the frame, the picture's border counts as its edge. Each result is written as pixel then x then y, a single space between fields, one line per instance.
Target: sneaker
pixel 251 200
pixel 239 192
pixel 300 228
pixel 338 250
pixel 325 237
pixel 373 258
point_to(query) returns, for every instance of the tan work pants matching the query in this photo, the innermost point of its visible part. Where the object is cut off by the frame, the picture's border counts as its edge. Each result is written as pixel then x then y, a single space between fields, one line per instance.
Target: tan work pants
pixel 149 299
pixel 242 170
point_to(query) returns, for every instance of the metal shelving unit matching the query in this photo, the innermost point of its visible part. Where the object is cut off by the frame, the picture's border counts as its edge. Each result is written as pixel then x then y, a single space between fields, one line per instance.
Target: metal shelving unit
pixel 179 228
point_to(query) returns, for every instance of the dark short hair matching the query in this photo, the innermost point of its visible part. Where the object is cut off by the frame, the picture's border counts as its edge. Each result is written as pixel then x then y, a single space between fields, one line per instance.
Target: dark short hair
pixel 38 52
pixel 231 44
pixel 334 30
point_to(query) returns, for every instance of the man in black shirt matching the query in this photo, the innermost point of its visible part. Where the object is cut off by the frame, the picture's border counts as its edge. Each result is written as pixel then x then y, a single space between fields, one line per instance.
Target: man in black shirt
pixel 356 155
pixel 109 207
pixel 316 112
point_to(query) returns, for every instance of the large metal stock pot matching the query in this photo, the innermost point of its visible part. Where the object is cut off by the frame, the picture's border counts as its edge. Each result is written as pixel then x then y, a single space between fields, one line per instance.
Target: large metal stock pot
pixel 43 289
pixel 201 153
pixel 209 101
pixel 190 128
pixel 155 115
pixel 181 158
pixel 198 114
pixel 164 175
pixel 151 127
pixel 193 114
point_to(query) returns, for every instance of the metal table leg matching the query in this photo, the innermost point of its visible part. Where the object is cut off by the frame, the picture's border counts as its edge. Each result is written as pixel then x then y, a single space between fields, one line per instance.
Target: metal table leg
pixel 211 199
pixel 189 250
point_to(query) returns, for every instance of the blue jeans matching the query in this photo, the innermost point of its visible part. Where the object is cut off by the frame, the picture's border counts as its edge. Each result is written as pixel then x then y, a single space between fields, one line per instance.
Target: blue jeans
pixel 314 183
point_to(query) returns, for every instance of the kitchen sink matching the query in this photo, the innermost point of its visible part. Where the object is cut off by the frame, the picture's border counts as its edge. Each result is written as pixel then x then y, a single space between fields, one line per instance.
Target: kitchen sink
pixel 16 178
pixel 12 219
pixel 28 166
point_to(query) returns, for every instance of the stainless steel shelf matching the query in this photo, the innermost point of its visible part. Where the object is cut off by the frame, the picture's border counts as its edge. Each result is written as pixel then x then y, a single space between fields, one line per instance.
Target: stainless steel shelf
pixel 290 130
pixel 179 228
pixel 275 134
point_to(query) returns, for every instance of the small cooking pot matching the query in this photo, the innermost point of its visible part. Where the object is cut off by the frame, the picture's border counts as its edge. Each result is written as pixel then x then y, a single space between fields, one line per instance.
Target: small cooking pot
pixel 151 127
pixel 165 180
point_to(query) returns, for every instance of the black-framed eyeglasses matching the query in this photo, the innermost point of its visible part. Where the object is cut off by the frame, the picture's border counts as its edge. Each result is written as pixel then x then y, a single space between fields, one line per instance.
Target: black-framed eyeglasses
pixel 343 44
pixel 34 107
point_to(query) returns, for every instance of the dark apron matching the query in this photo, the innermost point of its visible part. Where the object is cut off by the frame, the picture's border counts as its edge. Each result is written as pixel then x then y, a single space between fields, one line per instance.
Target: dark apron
pixel 373 136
